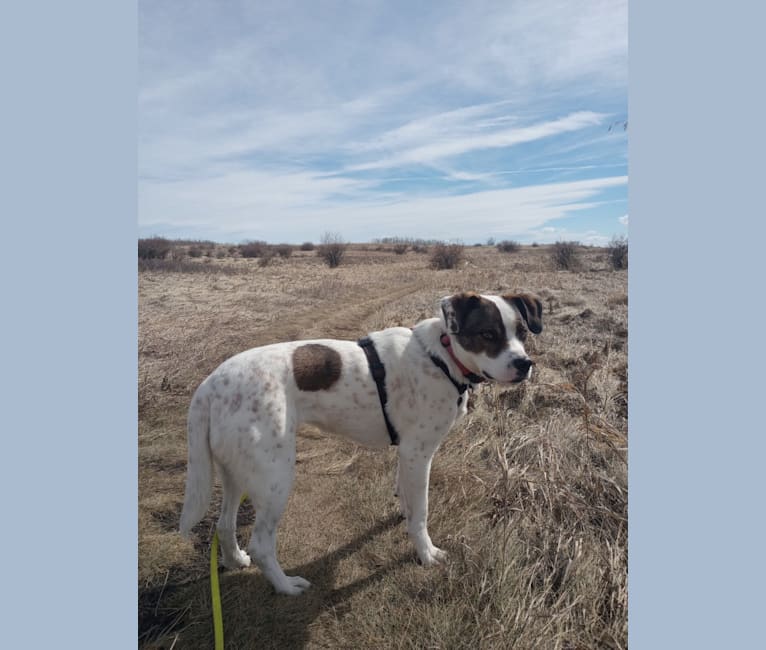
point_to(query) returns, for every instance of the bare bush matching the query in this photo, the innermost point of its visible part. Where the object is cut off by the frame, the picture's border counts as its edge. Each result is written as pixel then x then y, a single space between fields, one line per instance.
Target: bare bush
pixel 508 246
pixel 180 264
pixel 253 248
pixel 446 256
pixel 565 255
pixel 284 250
pixel 153 248
pixel 267 257
pixel 307 246
pixel 617 252
pixel 332 249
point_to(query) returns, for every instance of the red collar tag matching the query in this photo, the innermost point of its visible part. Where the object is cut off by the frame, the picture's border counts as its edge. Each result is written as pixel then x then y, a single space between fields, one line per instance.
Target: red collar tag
pixel 447 343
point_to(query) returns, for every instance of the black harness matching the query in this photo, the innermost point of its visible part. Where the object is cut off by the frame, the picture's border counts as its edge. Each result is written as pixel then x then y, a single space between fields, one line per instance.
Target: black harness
pixel 378 371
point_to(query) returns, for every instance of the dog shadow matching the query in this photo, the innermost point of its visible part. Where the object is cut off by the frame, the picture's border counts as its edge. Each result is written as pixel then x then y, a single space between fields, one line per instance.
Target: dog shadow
pixel 278 621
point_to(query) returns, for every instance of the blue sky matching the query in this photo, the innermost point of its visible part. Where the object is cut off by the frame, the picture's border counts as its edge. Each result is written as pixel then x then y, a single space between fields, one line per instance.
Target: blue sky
pixel 451 120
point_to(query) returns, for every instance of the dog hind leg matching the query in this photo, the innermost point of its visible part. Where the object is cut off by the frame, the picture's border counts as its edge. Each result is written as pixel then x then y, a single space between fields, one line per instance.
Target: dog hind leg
pixel 233 556
pixel 269 492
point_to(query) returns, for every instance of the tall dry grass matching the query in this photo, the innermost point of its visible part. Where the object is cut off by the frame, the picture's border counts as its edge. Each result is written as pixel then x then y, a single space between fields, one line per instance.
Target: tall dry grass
pixel 528 494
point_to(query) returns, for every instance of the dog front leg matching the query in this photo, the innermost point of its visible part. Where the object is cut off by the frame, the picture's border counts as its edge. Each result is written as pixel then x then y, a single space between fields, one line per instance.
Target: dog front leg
pixel 412 484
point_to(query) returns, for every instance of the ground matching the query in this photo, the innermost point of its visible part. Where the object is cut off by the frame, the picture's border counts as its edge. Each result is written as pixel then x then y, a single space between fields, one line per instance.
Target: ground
pixel 528 493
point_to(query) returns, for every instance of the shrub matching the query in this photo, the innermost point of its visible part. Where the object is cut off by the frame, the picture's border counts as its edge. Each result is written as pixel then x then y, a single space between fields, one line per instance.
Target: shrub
pixel 420 248
pixel 307 246
pixel 195 251
pixel 617 252
pixel 565 255
pixel 400 248
pixel 284 250
pixel 153 248
pixel 182 264
pixel 332 249
pixel 446 256
pixel 267 257
pixel 508 246
pixel 253 248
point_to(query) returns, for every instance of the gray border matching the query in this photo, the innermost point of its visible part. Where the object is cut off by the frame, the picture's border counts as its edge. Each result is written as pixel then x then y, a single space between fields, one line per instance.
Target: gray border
pixel 695 363
pixel 69 421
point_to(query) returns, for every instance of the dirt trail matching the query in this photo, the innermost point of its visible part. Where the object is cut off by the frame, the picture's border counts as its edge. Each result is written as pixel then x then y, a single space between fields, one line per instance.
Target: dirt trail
pixel 332 322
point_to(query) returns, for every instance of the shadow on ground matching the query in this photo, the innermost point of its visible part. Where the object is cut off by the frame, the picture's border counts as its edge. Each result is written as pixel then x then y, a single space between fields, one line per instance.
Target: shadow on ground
pixel 253 614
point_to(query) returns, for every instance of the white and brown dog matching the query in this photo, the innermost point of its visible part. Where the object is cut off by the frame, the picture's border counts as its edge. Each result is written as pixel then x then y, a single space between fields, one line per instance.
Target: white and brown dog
pixel 397 386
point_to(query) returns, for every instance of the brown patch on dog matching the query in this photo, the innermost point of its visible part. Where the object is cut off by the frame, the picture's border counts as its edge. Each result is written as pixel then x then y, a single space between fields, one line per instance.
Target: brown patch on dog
pixel 480 327
pixel 530 308
pixel 316 366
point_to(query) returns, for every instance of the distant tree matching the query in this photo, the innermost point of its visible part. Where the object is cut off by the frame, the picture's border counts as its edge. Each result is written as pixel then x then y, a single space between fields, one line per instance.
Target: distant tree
pixel 565 255
pixel 332 249
pixel 508 246
pixel 617 250
pixel 152 248
pixel 446 256
pixel 253 248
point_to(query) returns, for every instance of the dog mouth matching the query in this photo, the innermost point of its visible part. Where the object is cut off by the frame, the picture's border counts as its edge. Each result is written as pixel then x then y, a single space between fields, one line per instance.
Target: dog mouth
pixel 515 380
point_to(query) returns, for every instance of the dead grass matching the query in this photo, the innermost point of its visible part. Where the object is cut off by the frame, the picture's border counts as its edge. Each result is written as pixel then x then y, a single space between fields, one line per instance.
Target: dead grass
pixel 528 495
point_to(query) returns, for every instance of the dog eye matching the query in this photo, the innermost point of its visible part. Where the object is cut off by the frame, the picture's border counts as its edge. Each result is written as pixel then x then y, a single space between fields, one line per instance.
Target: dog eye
pixel 489 335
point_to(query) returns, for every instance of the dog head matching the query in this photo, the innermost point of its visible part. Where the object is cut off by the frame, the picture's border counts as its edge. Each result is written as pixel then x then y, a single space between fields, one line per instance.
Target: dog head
pixel 488 332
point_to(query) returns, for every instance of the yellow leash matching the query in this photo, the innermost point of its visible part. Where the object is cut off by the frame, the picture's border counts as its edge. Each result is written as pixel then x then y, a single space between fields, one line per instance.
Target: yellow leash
pixel 216 593
pixel 215 589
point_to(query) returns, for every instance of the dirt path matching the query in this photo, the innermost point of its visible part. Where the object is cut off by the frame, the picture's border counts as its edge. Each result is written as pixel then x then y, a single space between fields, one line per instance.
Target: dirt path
pixel 346 322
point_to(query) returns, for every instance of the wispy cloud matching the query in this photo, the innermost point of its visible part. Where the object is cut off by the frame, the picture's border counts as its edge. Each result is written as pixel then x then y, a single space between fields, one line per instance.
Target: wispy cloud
pixel 438 148
pixel 273 116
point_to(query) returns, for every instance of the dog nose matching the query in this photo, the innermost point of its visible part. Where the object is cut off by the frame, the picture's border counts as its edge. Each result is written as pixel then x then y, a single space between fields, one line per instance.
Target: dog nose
pixel 523 365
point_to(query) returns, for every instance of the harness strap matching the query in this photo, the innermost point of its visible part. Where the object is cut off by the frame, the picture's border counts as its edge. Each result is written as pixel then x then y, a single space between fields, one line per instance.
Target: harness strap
pixel 461 388
pixel 378 371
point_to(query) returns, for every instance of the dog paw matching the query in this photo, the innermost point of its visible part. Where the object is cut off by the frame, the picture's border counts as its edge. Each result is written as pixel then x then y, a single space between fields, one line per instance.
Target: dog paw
pixel 240 560
pixel 294 586
pixel 433 556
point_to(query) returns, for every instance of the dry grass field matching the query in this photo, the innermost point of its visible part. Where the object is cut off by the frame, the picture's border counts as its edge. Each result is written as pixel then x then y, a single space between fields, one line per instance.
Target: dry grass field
pixel 528 493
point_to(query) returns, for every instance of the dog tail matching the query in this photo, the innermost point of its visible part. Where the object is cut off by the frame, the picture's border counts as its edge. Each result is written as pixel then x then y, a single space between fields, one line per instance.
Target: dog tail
pixel 199 470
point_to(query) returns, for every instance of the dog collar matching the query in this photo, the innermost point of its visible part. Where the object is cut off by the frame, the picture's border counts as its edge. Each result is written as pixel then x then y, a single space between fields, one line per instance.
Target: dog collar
pixel 472 377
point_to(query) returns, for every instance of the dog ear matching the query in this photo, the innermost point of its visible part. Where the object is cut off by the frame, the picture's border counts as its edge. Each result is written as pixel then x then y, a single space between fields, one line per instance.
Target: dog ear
pixel 530 308
pixel 455 308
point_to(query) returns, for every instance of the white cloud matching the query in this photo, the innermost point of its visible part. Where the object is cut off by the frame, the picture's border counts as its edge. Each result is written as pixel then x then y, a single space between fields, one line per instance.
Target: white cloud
pixel 299 206
pixel 263 117
pixel 624 220
pixel 445 147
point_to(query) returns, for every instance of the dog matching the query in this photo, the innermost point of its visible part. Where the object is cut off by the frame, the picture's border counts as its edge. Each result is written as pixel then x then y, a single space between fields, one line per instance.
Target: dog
pixel 402 386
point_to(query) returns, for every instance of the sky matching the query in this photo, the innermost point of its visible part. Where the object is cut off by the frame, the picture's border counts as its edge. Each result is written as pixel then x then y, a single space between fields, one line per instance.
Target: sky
pixel 460 121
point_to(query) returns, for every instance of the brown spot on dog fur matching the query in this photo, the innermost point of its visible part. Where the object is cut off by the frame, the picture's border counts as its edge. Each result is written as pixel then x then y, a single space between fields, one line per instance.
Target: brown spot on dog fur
pixel 316 366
